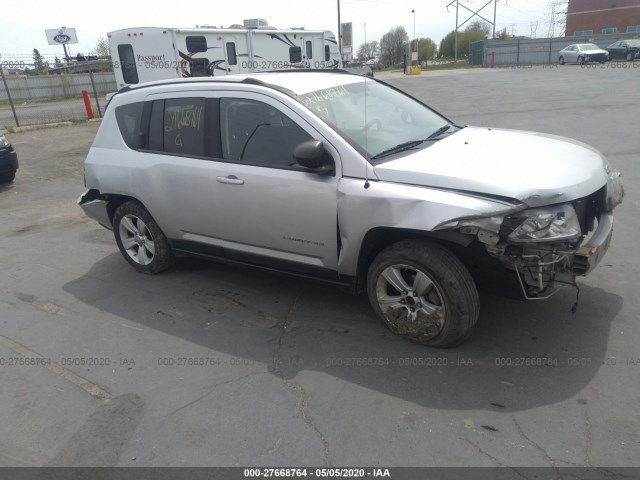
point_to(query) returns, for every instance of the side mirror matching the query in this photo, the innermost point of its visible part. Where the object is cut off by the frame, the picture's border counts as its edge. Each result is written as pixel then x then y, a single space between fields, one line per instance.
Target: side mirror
pixel 312 155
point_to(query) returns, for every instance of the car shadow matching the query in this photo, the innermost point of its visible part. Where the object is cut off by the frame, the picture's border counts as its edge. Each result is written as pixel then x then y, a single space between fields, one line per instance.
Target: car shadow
pixel 522 355
pixel 5 187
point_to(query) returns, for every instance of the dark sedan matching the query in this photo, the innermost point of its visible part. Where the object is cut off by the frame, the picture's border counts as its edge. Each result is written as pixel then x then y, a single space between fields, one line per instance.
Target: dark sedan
pixel 624 50
pixel 8 161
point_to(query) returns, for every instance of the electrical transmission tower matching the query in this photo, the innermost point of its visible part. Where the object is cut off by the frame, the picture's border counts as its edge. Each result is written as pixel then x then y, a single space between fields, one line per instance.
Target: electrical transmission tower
pixel 474 13
pixel 534 29
pixel 558 9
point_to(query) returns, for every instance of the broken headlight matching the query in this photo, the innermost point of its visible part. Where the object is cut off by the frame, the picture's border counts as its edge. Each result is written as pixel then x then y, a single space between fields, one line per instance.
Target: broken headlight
pixel 547 224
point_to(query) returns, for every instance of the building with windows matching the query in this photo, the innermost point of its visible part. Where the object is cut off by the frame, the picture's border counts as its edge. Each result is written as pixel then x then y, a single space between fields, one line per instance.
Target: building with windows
pixel 603 17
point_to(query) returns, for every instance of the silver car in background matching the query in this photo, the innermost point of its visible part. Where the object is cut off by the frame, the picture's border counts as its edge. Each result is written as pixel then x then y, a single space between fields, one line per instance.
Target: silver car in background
pixel 349 181
pixel 582 53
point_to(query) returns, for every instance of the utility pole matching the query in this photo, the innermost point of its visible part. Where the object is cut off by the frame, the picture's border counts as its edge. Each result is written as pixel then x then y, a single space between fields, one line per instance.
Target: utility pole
pixel 339 33
pixel 414 35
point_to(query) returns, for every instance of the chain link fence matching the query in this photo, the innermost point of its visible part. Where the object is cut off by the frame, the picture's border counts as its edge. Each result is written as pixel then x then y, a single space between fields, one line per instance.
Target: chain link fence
pixel 52 97
pixel 537 51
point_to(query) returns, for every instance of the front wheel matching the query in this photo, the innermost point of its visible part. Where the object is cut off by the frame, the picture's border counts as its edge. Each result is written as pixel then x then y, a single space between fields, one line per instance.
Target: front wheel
pixel 140 239
pixel 423 293
pixel 581 60
pixel 7 177
pixel 630 56
pixel 561 60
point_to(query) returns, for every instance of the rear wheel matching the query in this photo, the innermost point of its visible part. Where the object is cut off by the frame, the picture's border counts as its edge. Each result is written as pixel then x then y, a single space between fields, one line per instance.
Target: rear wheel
pixel 423 293
pixel 140 240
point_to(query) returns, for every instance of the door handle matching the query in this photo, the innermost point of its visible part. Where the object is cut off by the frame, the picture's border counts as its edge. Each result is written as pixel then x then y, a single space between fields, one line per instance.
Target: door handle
pixel 230 179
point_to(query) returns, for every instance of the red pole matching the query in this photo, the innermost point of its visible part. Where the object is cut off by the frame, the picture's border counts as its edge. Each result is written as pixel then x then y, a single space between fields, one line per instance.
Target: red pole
pixel 87 104
pixel 493 58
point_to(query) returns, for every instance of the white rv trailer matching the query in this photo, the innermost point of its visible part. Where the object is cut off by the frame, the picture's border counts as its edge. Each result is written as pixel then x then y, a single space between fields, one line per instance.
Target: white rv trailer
pixel 152 53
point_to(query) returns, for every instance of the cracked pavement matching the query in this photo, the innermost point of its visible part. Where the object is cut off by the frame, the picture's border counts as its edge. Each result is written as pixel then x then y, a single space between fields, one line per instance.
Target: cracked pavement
pixel 213 365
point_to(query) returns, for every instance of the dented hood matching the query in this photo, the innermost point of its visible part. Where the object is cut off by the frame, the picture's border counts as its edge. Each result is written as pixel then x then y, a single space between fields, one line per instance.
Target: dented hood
pixel 535 168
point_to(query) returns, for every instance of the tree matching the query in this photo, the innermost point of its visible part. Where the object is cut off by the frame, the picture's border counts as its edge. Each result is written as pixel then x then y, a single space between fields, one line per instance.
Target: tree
pixel 503 34
pixel 57 62
pixel 101 50
pixel 426 49
pixel 474 32
pixel 393 46
pixel 368 50
pixel 39 64
pixel 479 26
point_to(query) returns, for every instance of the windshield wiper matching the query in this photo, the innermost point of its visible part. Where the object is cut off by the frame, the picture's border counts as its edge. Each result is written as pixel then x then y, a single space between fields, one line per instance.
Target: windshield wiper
pixel 398 148
pixel 440 131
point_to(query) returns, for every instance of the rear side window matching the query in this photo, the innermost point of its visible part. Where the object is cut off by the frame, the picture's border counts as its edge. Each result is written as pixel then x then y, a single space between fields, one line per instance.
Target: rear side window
pixel 196 44
pixel 128 63
pixel 295 54
pixel 184 123
pixel 129 118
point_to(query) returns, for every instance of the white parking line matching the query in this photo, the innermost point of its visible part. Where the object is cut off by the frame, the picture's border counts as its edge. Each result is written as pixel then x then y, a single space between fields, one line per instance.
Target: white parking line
pixel 89 387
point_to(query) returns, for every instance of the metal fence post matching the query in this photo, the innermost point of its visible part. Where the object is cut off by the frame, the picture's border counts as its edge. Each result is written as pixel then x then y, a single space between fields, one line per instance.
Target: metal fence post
pixel 6 87
pixel 518 53
pixel 95 93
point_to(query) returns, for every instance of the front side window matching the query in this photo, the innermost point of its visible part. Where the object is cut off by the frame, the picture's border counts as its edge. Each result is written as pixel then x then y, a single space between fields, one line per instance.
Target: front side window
pixel 386 119
pixel 128 63
pixel 128 118
pixel 184 126
pixel 309 50
pixel 259 134
pixel 327 53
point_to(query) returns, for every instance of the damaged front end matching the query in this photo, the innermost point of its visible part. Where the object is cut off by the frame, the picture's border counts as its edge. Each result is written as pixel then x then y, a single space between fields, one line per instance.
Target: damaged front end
pixel 548 247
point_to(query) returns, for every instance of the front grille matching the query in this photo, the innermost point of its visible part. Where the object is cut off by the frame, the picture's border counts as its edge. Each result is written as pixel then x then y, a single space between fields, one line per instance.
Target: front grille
pixel 598 57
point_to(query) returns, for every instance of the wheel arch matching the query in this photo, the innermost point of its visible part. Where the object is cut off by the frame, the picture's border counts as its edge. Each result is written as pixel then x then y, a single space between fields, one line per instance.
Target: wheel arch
pixel 114 200
pixel 379 238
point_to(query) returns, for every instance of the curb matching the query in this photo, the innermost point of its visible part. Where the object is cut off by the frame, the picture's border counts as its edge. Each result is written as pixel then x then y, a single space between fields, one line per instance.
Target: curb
pixel 31 128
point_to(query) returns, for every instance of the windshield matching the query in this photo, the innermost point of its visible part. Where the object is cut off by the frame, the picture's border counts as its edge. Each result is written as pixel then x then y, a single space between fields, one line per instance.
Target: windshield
pixel 589 46
pixel 392 118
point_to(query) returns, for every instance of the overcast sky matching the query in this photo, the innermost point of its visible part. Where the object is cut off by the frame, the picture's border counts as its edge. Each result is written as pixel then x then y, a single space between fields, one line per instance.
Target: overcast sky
pixel 24 21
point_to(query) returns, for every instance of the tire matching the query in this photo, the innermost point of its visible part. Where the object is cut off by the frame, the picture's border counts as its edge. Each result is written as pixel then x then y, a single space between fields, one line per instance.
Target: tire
pixel 140 240
pixel 561 60
pixel 581 61
pixel 630 57
pixel 440 294
pixel 7 177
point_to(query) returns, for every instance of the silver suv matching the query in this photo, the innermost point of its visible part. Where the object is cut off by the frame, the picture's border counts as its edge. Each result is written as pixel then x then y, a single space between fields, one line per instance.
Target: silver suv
pixel 350 181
